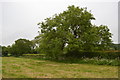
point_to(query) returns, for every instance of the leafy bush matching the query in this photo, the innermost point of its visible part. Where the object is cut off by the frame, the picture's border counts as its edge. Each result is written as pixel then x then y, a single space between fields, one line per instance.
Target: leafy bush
pixel 113 62
pixel 34 56
pixel 95 60
pixel 99 55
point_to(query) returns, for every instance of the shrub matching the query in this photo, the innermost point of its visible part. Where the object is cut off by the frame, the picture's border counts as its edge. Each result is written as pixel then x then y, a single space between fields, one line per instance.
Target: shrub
pixel 99 55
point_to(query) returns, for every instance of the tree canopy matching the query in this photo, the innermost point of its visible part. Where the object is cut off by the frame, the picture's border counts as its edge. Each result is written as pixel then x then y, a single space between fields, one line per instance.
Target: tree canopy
pixel 4 51
pixel 21 46
pixel 72 31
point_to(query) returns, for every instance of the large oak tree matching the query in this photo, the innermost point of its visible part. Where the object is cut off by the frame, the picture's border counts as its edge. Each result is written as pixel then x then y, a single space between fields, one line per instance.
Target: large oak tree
pixel 72 31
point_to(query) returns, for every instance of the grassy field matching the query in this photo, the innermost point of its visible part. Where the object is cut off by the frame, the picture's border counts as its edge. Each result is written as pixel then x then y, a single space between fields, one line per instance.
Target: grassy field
pixel 13 67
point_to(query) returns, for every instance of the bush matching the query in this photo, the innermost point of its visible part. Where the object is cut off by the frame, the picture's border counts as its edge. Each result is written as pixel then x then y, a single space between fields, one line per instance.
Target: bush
pixel 113 62
pixel 95 60
pixel 34 56
pixel 99 55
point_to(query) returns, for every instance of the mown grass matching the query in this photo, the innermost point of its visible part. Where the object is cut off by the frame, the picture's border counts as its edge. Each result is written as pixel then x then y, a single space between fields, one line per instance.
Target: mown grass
pixel 13 67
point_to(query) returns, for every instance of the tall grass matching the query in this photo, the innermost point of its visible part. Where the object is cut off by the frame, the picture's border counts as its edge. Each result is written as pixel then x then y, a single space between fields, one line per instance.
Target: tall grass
pixel 95 60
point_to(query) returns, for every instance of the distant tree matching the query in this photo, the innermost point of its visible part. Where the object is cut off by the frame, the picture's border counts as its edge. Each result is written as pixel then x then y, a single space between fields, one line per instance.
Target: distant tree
pixel 72 31
pixel 21 46
pixel 0 48
pixel 4 51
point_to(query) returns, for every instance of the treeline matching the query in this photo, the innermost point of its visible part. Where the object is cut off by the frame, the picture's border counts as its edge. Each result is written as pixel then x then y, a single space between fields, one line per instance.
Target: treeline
pixel 24 46
pixel 20 47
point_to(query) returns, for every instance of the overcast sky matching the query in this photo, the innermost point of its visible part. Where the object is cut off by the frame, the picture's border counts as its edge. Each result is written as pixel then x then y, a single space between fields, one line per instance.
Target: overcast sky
pixel 19 19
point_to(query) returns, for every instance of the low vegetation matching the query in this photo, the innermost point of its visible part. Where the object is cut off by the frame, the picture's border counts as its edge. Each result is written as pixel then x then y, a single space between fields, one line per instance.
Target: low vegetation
pixel 14 67
pixel 95 60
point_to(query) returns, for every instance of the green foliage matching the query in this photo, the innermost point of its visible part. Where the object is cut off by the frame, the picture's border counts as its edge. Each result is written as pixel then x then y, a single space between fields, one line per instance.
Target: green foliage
pixel 97 61
pixel 35 46
pixel 72 32
pixel 21 46
pixel 115 46
pixel 100 55
pixel 0 50
pixel 4 51
pixel 35 56
pixel 72 60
